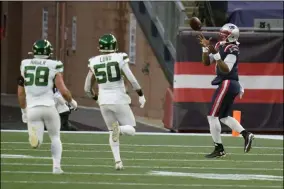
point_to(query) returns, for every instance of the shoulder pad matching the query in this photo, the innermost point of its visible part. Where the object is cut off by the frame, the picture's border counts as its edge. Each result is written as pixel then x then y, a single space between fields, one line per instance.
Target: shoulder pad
pixel 231 48
pixel 91 60
pixel 59 66
pixel 124 57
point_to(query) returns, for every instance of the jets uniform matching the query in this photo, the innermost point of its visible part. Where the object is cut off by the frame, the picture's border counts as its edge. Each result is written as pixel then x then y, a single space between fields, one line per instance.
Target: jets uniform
pixel 38 105
pixel 112 98
pixel 108 70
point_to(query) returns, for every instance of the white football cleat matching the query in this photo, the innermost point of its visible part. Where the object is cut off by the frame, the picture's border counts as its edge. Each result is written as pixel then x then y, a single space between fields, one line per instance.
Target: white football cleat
pixel 57 170
pixel 118 165
pixel 33 139
pixel 115 132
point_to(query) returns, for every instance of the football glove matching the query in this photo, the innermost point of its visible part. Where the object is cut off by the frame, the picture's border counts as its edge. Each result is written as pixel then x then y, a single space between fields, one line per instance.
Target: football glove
pixel 73 104
pixel 142 101
pixel 24 115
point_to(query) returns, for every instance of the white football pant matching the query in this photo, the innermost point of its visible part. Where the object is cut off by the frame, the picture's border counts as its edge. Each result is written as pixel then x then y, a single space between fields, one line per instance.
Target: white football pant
pixel 117 112
pixel 40 116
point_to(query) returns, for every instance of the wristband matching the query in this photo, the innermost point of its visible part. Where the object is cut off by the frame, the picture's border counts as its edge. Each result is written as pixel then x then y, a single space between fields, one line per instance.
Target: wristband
pixel 139 92
pixel 95 97
pixel 204 49
pixel 217 56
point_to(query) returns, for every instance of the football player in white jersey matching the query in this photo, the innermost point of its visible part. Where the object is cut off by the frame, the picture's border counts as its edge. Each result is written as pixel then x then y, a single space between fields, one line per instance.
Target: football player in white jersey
pixel 36 98
pixel 108 71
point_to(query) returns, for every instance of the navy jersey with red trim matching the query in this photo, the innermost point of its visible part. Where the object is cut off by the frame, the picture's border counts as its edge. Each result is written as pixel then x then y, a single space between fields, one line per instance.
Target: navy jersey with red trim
pixel 225 50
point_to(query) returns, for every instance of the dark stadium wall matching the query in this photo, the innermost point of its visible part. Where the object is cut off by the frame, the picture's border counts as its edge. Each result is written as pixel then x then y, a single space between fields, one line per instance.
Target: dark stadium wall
pixel 93 20
pixel 11 45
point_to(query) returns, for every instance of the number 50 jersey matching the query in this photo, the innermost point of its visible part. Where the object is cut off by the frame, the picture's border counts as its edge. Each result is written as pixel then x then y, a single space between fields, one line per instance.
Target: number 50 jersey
pixel 39 77
pixel 107 69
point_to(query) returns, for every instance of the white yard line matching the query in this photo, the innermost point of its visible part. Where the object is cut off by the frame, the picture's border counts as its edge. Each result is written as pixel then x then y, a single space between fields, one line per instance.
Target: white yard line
pixel 150 145
pixel 145 167
pixel 137 152
pixel 138 184
pixel 9 156
pixel 275 137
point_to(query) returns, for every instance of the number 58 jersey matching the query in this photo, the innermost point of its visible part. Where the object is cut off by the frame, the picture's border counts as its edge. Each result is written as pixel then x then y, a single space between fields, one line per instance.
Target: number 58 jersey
pixel 107 69
pixel 39 75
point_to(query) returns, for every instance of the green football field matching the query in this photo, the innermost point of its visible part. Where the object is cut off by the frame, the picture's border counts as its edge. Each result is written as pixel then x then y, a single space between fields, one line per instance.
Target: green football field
pixel 150 161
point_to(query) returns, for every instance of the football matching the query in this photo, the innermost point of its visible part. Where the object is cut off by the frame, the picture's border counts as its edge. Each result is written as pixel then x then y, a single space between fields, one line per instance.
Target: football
pixel 195 23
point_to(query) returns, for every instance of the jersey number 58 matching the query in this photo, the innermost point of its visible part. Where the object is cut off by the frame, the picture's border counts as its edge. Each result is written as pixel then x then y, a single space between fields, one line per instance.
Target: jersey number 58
pixel 36 75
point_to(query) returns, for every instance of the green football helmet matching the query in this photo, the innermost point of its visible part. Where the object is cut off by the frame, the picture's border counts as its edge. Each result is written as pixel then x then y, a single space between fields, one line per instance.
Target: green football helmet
pixel 107 44
pixel 42 49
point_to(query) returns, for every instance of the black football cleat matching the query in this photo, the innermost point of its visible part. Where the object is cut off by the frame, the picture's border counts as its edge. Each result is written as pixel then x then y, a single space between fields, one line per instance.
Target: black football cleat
pixel 248 141
pixel 218 152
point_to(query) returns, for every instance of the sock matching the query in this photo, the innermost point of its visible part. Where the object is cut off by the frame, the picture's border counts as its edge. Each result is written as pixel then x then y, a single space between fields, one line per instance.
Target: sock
pixel 56 151
pixel 127 130
pixel 215 129
pixel 114 148
pixel 244 133
pixel 219 146
pixel 232 123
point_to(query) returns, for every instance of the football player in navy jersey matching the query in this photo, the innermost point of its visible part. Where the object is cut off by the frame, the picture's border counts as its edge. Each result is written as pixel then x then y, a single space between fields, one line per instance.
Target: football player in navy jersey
pixel 225 55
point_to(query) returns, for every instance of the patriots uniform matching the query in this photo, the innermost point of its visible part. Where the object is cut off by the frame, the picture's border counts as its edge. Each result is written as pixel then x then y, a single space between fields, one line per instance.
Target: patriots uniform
pixel 228 83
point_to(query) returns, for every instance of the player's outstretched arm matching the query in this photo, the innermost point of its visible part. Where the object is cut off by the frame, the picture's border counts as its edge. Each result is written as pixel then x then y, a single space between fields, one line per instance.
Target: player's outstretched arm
pixel 206 59
pixel 88 87
pixel 22 98
pixel 21 92
pixel 60 85
pixel 131 78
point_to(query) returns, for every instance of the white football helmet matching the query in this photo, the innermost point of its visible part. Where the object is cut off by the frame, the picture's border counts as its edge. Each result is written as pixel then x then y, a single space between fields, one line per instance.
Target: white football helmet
pixel 229 33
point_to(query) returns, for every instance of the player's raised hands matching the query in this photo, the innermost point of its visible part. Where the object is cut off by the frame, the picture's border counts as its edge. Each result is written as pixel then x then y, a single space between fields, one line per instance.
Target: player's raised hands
pixel 211 49
pixel 203 41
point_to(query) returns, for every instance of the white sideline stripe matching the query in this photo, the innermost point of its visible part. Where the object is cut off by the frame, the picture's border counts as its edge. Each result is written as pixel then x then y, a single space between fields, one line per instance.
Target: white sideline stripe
pixel 276 137
pixel 136 152
pixel 139 184
pixel 10 156
pixel 216 176
pixel 248 82
pixel 147 167
pixel 151 145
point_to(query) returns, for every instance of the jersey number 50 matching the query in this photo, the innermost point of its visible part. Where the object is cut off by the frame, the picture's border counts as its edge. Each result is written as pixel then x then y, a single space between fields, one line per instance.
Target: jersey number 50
pixel 36 75
pixel 104 72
